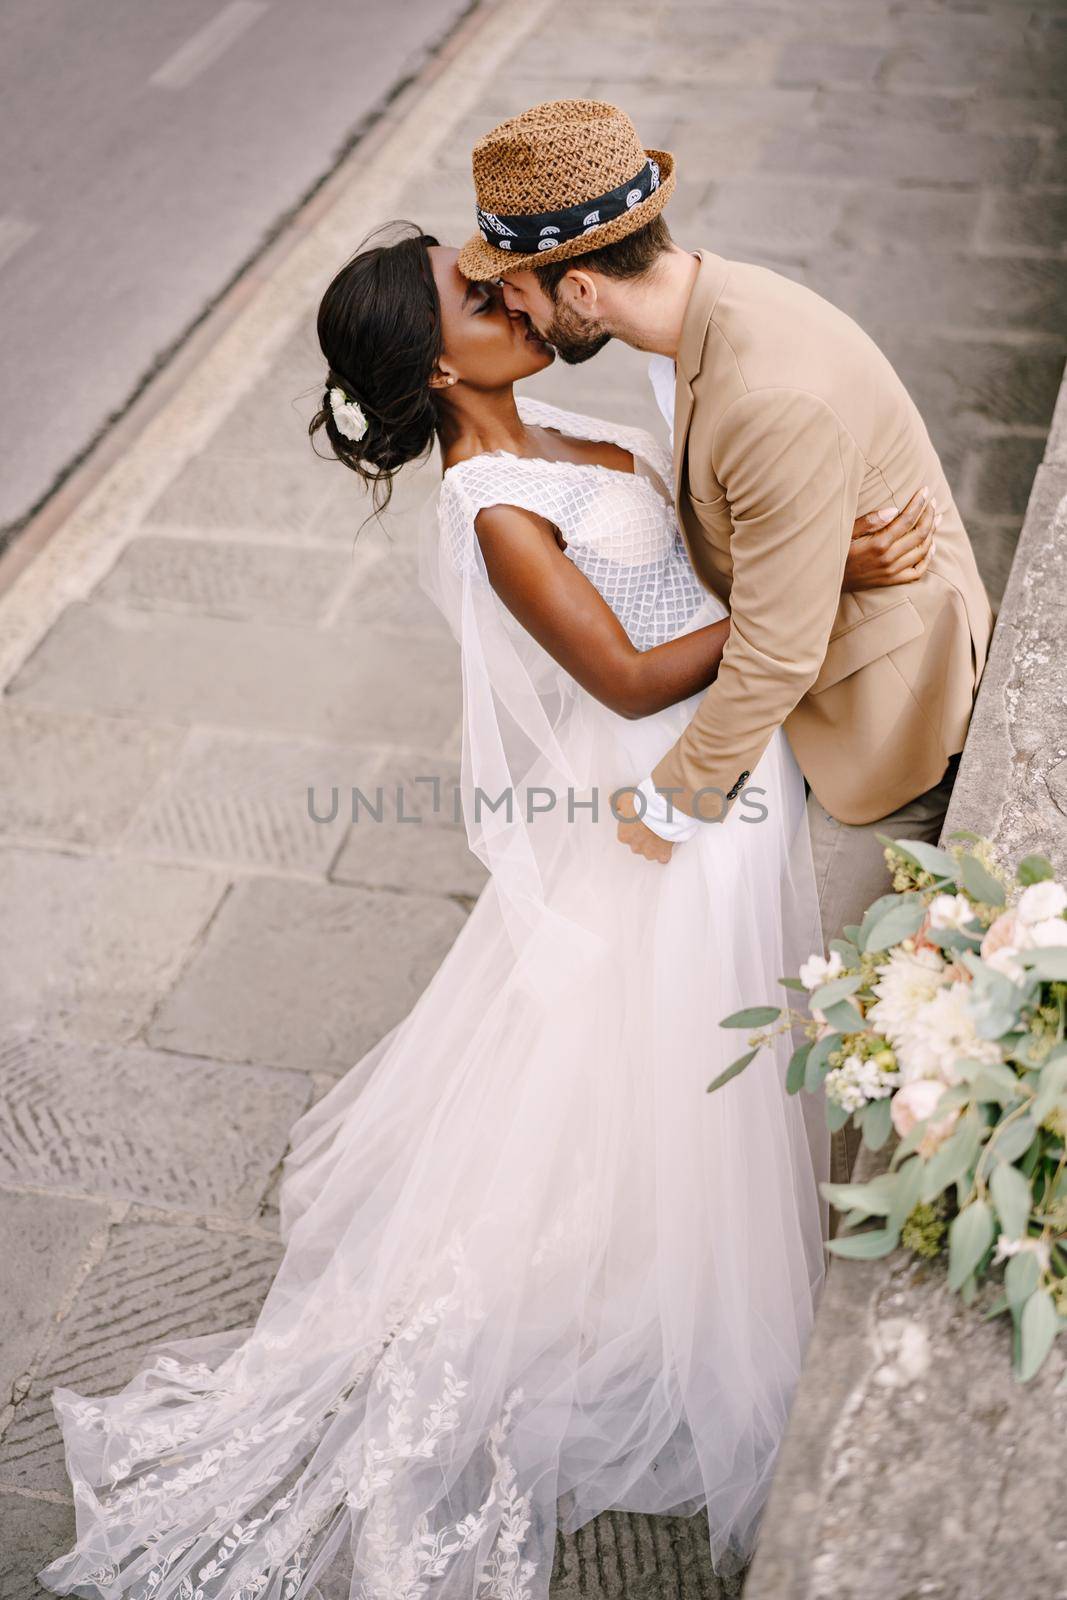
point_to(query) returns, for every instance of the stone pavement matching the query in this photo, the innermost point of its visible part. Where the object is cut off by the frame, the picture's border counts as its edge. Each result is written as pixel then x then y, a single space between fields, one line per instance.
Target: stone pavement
pixel 187 959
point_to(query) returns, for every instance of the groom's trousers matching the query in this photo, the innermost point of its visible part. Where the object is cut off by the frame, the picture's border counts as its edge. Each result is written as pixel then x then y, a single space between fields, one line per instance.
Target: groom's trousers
pixel 850 872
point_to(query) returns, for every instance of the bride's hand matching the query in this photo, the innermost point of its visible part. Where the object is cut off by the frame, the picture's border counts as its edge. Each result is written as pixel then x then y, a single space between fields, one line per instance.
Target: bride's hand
pixel 632 831
pixel 898 551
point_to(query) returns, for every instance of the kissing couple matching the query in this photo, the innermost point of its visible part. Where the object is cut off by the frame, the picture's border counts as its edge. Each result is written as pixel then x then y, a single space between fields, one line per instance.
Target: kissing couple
pixel 532 1270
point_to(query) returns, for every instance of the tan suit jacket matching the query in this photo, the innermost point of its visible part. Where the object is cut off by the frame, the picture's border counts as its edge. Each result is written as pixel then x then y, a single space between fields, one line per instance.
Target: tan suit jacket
pixel 789 424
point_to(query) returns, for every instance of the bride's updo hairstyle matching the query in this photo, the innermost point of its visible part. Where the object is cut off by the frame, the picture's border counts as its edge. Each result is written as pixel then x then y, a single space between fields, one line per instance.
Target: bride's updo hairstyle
pixel 379 327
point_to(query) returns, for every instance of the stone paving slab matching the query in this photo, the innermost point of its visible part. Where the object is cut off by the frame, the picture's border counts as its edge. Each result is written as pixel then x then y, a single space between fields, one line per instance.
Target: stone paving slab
pixel 153 1284
pixel 46 1241
pixel 243 800
pixel 384 593
pixel 74 778
pixel 260 493
pixel 89 944
pixel 33 1533
pixel 418 844
pixel 906 158
pixel 252 675
pixel 221 579
pixel 305 975
pixel 134 1124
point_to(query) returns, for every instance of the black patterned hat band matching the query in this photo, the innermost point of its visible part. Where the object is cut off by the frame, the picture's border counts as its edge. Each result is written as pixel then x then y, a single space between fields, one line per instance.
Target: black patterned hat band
pixel 546 229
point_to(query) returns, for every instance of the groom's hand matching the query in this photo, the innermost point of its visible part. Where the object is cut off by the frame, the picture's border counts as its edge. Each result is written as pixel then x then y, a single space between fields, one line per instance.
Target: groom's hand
pixel 632 831
pixel 890 547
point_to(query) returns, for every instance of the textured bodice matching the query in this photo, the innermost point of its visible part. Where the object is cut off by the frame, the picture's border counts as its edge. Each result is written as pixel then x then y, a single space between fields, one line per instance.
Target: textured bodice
pixel 620 529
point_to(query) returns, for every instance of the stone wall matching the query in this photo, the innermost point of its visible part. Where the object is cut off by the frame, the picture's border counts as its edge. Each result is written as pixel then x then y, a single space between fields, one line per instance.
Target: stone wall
pixel 914 1463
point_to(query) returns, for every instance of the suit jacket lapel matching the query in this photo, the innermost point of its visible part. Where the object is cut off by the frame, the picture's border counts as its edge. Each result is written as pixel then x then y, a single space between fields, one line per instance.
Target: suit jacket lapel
pixel 706 290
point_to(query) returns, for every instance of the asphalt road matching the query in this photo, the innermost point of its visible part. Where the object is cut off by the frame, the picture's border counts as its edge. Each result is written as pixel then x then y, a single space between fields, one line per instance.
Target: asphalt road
pixel 146 149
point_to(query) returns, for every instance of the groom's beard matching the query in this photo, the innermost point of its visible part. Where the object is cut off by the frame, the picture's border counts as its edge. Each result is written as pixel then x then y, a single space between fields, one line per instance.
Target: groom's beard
pixel 573 338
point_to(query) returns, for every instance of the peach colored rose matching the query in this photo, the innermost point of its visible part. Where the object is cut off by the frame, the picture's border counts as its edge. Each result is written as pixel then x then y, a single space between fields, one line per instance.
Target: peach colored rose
pixel 920 941
pixel 1004 932
pixel 914 1103
pixel 955 973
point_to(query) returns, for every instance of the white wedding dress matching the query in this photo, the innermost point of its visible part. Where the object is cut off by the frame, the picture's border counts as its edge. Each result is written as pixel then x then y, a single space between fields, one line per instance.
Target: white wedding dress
pixel 532 1269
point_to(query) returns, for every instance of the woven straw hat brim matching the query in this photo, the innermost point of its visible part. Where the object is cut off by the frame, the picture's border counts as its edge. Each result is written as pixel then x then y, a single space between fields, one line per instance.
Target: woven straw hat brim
pixel 479 260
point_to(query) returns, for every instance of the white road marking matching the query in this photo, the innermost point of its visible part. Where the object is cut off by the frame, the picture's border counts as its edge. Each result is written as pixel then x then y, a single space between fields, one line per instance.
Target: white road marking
pixel 14 233
pixel 208 44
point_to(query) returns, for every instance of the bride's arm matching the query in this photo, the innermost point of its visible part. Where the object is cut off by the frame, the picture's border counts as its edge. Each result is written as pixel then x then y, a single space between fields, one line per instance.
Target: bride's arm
pixel 570 619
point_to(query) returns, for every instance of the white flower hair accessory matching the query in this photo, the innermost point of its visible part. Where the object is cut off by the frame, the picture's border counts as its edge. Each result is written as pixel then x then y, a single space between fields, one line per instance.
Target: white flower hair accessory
pixel 347 415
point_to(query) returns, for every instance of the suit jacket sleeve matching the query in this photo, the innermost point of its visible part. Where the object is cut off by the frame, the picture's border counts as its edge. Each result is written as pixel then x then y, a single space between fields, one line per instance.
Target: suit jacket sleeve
pixel 792 475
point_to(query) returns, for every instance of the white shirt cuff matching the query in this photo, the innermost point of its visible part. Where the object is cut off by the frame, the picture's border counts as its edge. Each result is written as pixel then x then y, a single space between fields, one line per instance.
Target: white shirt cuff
pixel 665 819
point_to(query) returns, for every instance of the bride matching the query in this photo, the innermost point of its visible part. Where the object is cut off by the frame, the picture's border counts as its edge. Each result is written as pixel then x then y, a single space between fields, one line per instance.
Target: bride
pixel 532 1269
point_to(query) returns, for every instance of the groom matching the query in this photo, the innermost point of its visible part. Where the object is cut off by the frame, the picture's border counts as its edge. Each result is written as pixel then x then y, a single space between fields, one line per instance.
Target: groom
pixel 788 425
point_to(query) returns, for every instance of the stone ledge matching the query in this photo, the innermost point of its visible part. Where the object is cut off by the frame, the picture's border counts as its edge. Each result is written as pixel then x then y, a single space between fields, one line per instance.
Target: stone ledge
pixel 914 1463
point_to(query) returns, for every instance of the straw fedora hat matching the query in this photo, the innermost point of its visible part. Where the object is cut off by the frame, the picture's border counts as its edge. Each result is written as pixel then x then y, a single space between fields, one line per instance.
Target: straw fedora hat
pixel 560 180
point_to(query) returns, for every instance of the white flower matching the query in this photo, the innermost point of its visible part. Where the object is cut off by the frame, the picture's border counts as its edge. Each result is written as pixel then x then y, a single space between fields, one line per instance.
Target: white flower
pixel 1041 901
pixel 1013 1247
pixel 816 970
pixel 943 1033
pixel 906 983
pixel 915 1103
pixel 1006 930
pixel 1004 962
pixel 1050 931
pixel 347 415
pixel 951 911
pixel 859 1079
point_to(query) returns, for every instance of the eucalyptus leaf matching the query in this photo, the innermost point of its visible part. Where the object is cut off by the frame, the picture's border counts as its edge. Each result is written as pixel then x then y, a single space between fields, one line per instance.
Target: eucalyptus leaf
pixel 969 1238
pixel 906 1194
pixel 956 1095
pixel 846 950
pixel 1021 1277
pixel 955 1159
pixel 873 1199
pixel 994 1001
pixel 864 1246
pixel 792 983
pixel 752 1017
pixel 1038 1325
pixel 851 931
pixel 837 989
pixel 843 1016
pixel 876 1123
pixel 937 862
pixel 965 836
pixel 794 1073
pixel 876 909
pixel 732 1070
pixel 908 1145
pixel 898 923
pixel 1034 869
pixel 953 938
pixel 1049 964
pixel 818 1064
pixel 1011 1196
pixel 979 882
pixel 1016 1138
pixel 994 1081
pixel 1053 1081
pixel 836 1115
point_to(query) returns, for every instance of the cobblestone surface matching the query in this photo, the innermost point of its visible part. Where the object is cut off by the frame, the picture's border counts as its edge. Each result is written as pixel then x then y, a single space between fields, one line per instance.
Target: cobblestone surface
pixel 180 939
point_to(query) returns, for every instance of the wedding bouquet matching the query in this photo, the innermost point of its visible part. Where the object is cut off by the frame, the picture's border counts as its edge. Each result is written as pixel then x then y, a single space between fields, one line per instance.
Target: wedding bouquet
pixel 941 1018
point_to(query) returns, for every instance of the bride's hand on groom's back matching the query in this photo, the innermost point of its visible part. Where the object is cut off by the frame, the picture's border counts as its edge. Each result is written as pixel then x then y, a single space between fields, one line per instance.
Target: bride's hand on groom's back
pixel 897 550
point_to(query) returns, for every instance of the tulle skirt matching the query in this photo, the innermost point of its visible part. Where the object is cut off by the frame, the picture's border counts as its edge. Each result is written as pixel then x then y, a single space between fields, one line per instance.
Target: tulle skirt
pixel 532 1269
